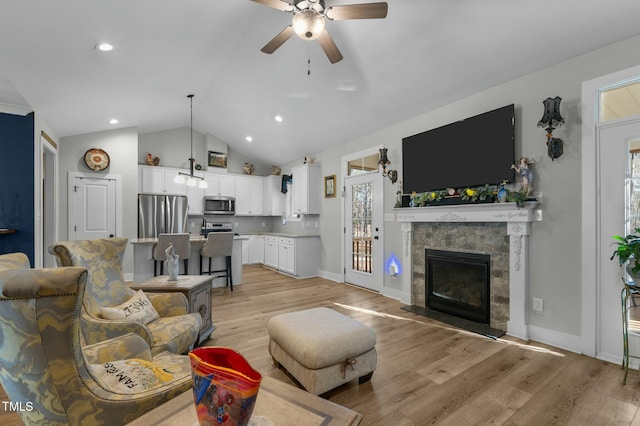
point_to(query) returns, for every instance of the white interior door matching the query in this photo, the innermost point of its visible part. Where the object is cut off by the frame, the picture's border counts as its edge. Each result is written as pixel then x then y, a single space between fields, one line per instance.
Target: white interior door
pixel 363 231
pixel 92 210
pixel 613 144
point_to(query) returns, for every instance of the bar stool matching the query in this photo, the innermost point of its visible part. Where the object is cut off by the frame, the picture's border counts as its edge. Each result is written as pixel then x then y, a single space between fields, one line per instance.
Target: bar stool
pixel 181 245
pixel 218 244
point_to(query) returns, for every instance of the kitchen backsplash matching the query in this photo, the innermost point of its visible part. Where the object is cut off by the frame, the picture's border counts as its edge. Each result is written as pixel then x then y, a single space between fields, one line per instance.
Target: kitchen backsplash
pixel 247 225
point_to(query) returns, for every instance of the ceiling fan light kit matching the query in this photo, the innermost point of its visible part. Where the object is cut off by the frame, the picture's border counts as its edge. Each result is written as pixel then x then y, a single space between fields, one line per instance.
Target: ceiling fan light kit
pixel 309 21
pixel 308 24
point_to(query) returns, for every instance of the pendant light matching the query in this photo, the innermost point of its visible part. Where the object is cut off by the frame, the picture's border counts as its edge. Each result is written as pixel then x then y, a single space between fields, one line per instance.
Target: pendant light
pixel 192 179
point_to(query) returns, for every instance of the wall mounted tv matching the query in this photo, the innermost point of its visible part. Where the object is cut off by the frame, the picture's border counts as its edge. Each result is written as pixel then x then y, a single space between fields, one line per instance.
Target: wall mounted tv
pixel 472 152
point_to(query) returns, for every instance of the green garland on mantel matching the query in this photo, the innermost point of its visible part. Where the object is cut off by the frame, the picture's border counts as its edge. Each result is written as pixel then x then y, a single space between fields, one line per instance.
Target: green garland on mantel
pixel 485 193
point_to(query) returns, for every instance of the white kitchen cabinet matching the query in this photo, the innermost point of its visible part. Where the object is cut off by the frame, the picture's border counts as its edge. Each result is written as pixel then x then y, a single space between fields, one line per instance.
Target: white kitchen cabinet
pixel 287 255
pixel 170 187
pixel 256 249
pixel 250 196
pixel 159 180
pixel 297 256
pixel 271 251
pixel 220 184
pixel 245 251
pixel 274 199
pixel 306 189
pixel 195 196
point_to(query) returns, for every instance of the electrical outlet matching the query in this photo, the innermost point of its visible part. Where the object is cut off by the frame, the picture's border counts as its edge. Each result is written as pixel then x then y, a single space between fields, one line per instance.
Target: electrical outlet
pixel 538 304
pixel 538 215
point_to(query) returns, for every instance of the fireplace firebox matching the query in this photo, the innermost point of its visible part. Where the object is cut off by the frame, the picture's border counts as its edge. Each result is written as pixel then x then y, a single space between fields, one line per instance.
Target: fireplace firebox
pixel 457 283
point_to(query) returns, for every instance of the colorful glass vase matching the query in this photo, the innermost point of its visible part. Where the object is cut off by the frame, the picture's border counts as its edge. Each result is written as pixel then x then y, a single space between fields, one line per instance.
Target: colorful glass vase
pixel 225 386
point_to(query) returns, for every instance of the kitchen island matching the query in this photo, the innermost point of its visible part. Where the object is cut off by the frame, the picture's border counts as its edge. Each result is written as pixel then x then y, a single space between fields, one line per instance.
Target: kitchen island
pixel 143 259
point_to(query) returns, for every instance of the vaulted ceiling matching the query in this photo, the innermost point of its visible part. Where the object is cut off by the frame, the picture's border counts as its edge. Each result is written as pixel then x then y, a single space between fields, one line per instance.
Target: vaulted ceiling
pixel 425 54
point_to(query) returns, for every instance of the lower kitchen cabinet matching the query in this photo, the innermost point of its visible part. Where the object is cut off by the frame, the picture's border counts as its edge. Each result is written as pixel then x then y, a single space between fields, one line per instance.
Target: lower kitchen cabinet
pixel 271 251
pixel 297 256
pixel 256 249
pixel 287 255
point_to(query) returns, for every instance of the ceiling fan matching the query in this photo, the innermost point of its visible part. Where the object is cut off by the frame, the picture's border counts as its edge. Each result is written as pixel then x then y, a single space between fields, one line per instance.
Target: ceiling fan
pixel 309 21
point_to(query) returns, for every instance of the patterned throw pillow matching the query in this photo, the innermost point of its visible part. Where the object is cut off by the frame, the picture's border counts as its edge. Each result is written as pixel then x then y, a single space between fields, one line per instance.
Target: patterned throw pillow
pixel 137 309
pixel 130 376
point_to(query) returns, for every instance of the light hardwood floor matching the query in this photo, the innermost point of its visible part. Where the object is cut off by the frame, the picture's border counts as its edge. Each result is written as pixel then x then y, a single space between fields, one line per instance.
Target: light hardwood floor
pixel 428 372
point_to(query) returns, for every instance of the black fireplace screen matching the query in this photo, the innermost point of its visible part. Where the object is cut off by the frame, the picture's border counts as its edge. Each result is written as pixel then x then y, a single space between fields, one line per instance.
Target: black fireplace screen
pixel 457 283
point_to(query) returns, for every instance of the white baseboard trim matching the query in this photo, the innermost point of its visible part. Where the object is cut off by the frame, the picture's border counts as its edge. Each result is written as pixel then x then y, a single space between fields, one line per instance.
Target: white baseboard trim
pixel 558 339
pixel 397 295
pixel 128 277
pixel 331 276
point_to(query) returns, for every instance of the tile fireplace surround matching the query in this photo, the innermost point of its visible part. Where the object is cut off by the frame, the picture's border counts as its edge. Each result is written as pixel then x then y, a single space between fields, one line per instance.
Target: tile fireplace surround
pixel 500 230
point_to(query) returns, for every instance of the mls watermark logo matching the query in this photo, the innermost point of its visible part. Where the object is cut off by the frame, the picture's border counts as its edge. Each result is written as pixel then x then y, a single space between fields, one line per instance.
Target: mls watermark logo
pixel 17 407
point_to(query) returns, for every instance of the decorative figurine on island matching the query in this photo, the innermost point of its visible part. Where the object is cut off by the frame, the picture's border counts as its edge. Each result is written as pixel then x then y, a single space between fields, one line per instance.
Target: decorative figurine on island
pixel 483 194
pixel 172 264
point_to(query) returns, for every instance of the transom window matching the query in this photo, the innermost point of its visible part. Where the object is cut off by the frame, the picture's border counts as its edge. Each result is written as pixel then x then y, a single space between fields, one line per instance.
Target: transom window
pixel 620 102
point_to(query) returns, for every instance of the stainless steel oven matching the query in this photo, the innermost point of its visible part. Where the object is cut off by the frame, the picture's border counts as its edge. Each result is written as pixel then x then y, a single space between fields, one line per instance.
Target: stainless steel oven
pixel 219 204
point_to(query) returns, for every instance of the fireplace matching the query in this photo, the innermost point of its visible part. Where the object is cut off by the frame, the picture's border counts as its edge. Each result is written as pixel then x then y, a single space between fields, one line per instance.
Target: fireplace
pixel 500 230
pixel 458 283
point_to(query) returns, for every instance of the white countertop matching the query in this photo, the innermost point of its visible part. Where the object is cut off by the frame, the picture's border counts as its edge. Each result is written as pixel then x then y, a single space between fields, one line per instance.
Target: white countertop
pixel 195 238
pixel 282 234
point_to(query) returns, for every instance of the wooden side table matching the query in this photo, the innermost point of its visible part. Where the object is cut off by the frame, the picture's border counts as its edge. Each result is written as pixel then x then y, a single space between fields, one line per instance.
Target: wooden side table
pixel 196 288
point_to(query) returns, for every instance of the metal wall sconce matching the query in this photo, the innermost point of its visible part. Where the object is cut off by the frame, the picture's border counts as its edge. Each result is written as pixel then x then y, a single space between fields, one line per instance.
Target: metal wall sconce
pixel 384 162
pixel 551 119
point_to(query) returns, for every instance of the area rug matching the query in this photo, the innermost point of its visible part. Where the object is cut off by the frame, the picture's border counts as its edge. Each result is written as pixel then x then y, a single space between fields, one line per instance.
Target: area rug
pixel 454 321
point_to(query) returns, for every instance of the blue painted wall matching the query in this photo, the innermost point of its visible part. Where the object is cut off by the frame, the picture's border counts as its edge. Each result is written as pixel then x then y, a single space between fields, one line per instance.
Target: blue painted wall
pixel 16 183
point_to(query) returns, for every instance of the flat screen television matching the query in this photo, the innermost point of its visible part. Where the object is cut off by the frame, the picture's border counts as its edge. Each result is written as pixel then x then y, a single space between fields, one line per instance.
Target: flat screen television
pixel 472 152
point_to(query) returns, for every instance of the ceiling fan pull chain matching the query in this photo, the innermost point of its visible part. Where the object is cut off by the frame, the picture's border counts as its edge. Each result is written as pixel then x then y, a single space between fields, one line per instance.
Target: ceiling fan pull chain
pixel 308 62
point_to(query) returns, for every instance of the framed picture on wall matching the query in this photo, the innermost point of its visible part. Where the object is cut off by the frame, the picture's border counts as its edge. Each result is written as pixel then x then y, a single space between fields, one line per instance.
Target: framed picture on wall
pixel 217 159
pixel 329 186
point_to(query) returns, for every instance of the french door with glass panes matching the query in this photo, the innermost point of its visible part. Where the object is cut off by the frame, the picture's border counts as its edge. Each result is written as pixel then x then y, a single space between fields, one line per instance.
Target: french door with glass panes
pixel 364 219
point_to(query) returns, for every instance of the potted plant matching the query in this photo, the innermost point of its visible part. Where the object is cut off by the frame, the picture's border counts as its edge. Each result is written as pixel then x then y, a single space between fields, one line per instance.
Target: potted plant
pixel 628 252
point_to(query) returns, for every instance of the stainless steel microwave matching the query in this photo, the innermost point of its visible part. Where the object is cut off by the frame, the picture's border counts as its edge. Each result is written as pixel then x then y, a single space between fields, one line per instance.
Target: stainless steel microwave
pixel 219 204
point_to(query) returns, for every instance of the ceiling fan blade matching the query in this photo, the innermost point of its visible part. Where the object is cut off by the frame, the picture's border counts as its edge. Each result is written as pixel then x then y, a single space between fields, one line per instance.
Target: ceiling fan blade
pixel 278 40
pixel 358 11
pixel 276 4
pixel 329 47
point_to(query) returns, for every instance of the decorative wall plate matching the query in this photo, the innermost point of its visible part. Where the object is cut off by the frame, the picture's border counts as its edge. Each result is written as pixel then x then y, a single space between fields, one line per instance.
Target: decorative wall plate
pixel 96 159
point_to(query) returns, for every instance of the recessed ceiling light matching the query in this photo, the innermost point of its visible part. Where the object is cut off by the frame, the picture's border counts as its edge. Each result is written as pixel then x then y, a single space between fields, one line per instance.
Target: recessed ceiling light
pixel 249 139
pixel 113 121
pixel 104 47
pixel 278 118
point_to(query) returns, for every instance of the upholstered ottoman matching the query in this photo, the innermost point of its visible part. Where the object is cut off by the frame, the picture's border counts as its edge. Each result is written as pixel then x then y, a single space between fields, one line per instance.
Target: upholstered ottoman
pixel 321 348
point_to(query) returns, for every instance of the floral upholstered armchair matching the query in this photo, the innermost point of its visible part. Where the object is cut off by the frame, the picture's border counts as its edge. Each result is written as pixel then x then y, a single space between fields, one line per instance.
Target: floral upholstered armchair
pixel 173 329
pixel 44 367
pixel 14 261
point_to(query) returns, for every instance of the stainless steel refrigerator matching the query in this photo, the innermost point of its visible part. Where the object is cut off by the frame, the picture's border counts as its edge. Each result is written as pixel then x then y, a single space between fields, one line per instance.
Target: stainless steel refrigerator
pixel 161 213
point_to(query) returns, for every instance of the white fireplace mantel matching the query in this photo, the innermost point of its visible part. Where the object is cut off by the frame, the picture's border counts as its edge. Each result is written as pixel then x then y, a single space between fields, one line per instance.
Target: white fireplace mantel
pixel 518 220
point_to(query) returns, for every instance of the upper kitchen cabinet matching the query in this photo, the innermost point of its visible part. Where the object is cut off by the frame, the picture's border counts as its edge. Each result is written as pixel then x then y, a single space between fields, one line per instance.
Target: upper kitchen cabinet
pixel 158 180
pixel 274 199
pixel 306 189
pixel 195 198
pixel 250 196
pixel 220 184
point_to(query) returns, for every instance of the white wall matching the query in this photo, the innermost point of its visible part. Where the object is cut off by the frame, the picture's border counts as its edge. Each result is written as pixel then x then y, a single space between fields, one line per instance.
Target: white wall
pixel 555 242
pixel 173 147
pixel 122 147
